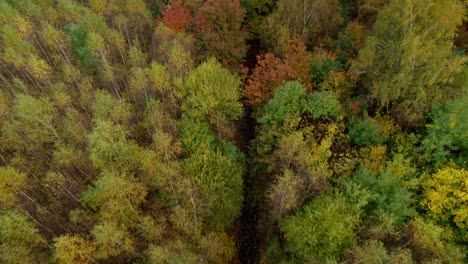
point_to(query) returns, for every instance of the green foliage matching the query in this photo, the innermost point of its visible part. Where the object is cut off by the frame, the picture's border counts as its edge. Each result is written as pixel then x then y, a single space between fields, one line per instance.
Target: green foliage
pixel 335 223
pixel 220 180
pixel 447 134
pixel 321 64
pixel 19 239
pixel 107 108
pixel 31 123
pixel 387 197
pixel 280 116
pixel 116 198
pixel 81 51
pixel 323 105
pixel 211 93
pixel 194 135
pixel 291 100
pixel 288 101
pixel 122 132
pixel 110 149
pixel 365 132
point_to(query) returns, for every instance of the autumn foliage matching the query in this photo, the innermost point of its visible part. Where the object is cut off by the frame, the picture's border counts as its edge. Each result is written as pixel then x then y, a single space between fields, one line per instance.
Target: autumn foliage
pixel 219 32
pixel 272 71
pixel 177 17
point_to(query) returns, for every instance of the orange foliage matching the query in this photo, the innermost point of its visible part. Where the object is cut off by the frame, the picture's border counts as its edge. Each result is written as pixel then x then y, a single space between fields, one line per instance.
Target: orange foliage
pixel 177 17
pixel 271 72
pixel 298 60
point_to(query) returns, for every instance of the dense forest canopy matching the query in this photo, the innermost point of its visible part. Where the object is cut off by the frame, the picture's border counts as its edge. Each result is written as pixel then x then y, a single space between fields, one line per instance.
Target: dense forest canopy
pixel 233 131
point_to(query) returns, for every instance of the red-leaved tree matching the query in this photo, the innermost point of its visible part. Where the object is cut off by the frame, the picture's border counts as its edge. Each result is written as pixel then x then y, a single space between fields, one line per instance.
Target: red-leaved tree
pixel 271 72
pixel 177 17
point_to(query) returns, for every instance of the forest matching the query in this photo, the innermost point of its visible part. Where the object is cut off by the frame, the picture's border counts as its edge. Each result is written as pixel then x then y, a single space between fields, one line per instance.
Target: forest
pixel 233 131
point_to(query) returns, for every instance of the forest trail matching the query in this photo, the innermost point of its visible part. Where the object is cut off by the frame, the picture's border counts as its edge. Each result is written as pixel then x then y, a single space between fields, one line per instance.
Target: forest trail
pixel 248 240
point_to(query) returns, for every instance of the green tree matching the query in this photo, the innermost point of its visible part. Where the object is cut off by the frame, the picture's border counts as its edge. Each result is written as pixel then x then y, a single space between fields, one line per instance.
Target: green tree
pixel 371 251
pixel 110 149
pixel 387 197
pixel 447 133
pixel 20 240
pixel 211 93
pixel 220 180
pixel 335 223
pixel 366 131
pixel 116 198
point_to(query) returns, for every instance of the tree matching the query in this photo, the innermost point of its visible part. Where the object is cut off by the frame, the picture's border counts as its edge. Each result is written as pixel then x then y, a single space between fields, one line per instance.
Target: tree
pixel 446 134
pixel 428 242
pixel 408 60
pixel 307 158
pixel 30 128
pixel 371 251
pixel 219 33
pixel 220 180
pixel 110 149
pixel 271 72
pixel 108 108
pixel 112 240
pixel 11 183
pixel 365 132
pixel 445 197
pixel 367 10
pixel 323 105
pixel 73 250
pixel 288 101
pixel 211 93
pixel 388 198
pixel 285 195
pixel 20 240
pixel 177 17
pixel 314 21
pixel 334 229
pixel 117 198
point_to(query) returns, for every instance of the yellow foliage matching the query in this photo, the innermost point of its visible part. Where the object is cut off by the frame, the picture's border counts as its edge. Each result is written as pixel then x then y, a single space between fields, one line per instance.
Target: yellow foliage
pixel 446 198
pixel 39 69
pixel 25 27
pixel 374 158
pixel 11 182
pixel 100 6
pixel 388 126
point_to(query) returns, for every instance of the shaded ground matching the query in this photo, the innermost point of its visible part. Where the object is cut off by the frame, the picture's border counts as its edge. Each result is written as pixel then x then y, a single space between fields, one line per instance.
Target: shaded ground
pixel 247 240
